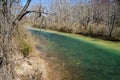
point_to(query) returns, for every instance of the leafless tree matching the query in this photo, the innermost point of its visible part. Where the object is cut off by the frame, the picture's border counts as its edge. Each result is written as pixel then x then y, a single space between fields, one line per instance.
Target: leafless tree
pixel 113 16
pixel 10 15
pixel 93 17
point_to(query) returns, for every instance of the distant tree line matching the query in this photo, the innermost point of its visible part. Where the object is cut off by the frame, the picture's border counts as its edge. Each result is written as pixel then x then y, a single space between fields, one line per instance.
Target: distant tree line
pixel 97 18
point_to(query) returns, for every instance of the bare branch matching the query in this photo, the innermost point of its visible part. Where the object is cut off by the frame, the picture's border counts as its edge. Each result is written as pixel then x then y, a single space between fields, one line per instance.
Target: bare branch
pixel 23 11
pixel 31 12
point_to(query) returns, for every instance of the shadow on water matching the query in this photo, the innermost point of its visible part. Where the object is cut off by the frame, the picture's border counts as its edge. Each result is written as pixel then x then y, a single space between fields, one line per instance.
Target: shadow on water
pixel 84 61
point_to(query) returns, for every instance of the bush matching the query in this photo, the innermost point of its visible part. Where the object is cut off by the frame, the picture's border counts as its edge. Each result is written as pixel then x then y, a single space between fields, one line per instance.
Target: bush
pixel 25 48
pixel 116 34
pixel 99 30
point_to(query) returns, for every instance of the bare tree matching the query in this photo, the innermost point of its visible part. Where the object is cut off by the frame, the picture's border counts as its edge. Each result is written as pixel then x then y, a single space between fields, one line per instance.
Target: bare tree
pixel 96 17
pixel 113 16
pixel 10 16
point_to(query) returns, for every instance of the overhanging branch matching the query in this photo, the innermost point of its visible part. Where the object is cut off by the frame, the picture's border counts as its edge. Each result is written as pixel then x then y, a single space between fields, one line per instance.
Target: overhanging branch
pixel 23 11
pixel 31 12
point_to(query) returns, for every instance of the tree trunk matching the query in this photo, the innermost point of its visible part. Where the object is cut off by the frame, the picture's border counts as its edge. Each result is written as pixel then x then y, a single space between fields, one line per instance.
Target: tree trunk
pixel 112 24
pixel 6 62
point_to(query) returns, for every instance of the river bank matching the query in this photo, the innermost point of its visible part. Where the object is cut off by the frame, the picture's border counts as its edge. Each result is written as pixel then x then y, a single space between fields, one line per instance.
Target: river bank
pixel 35 65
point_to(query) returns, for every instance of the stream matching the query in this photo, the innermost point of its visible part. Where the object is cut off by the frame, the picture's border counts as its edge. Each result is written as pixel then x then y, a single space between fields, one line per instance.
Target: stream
pixel 83 60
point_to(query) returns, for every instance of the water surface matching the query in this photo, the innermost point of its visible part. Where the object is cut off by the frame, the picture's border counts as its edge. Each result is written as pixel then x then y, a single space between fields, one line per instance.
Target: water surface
pixel 84 60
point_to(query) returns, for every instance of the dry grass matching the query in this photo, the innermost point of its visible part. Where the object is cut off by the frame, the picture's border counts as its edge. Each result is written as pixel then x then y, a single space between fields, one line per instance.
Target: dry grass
pixel 35 66
pixel 116 33
pixel 100 30
pixel 97 30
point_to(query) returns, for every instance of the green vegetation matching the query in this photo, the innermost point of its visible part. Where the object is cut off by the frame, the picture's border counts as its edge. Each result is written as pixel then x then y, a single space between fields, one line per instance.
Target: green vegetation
pixel 26 49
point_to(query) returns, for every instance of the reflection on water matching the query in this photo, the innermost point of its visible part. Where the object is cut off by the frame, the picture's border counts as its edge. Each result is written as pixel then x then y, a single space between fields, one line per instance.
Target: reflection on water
pixel 84 61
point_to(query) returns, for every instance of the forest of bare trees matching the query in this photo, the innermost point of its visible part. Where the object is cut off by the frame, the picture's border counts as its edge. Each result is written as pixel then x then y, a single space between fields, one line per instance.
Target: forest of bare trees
pixel 97 18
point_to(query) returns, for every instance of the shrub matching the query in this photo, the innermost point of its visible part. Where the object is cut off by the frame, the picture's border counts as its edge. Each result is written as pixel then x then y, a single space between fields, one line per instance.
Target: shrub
pixel 116 33
pixel 25 48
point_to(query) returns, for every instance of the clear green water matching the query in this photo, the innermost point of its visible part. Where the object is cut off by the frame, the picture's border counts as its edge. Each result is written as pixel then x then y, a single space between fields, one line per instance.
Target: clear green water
pixel 84 60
